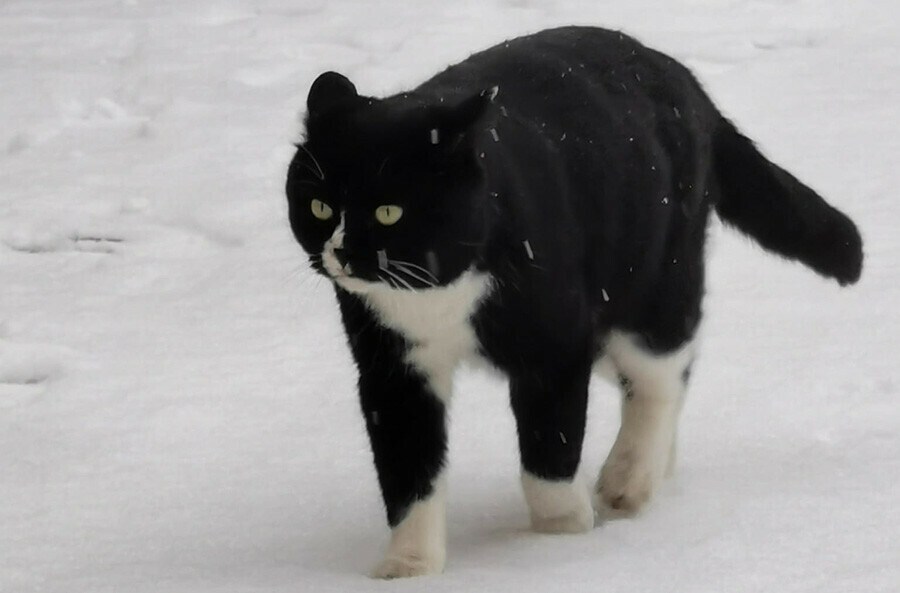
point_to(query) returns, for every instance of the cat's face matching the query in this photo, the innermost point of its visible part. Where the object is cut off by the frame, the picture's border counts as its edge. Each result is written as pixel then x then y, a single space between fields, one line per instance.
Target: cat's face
pixel 387 193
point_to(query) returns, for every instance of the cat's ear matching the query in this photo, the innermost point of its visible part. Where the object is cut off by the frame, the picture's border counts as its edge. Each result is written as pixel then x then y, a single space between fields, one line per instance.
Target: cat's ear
pixel 473 111
pixel 329 91
pixel 461 127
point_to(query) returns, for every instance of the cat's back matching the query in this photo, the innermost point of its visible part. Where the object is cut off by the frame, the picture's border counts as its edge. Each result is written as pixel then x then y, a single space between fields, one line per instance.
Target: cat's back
pixel 600 143
pixel 571 66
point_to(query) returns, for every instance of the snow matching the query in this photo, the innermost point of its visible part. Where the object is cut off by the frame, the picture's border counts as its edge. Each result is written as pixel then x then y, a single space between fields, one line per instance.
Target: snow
pixel 528 251
pixel 177 408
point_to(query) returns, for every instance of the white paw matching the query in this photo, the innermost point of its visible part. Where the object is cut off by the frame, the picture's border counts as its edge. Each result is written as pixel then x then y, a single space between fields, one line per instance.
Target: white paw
pixel 407 566
pixel 418 544
pixel 627 482
pixel 558 507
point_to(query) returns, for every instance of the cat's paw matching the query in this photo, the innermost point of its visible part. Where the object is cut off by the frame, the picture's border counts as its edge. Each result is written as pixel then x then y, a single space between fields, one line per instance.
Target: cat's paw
pixel 401 567
pixel 627 483
pixel 558 507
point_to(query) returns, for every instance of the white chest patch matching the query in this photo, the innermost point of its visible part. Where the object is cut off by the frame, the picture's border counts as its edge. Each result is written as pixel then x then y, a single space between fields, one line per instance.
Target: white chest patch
pixel 436 322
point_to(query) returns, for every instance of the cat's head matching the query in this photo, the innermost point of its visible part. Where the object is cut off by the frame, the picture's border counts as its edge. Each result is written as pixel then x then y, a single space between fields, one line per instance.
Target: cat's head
pixel 389 192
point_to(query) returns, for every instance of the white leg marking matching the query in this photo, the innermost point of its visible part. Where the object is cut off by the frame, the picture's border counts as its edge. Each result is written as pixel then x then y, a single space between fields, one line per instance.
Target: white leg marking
pixel 419 542
pixel 644 448
pixel 558 507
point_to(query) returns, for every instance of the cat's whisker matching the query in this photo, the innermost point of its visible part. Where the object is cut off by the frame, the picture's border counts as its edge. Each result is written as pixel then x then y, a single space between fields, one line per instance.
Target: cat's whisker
pixel 320 174
pixel 412 274
pixel 387 280
pixel 408 264
pixel 315 172
pixel 300 271
pixel 398 279
pixel 293 276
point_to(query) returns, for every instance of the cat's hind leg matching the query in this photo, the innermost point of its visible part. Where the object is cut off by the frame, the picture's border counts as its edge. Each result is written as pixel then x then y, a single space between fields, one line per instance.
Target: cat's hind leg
pixel 653 391
pixel 550 408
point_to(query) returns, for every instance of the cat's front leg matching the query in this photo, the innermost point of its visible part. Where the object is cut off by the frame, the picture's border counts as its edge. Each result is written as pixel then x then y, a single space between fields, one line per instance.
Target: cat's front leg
pixel 550 406
pixel 405 421
pixel 406 426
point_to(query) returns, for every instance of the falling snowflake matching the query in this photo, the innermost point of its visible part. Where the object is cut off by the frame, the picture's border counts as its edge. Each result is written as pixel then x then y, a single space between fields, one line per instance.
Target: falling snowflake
pixel 528 250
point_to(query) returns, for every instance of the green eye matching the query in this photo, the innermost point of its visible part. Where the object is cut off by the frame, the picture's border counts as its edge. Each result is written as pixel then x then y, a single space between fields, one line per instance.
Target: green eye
pixel 321 210
pixel 388 215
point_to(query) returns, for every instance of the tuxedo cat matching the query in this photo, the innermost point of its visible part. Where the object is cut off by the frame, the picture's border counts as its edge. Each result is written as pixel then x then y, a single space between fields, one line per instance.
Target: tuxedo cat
pixel 543 206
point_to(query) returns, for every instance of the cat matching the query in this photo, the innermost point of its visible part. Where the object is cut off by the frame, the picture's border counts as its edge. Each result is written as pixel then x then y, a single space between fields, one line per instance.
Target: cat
pixel 542 206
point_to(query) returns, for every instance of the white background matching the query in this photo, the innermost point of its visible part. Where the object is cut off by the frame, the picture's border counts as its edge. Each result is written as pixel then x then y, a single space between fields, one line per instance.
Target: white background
pixel 177 407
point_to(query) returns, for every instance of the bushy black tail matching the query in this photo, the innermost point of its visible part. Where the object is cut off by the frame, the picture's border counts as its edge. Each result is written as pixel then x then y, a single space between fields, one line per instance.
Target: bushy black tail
pixel 766 202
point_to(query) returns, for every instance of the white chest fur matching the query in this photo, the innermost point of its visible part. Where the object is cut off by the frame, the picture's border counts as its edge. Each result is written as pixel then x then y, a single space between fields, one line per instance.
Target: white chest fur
pixel 436 322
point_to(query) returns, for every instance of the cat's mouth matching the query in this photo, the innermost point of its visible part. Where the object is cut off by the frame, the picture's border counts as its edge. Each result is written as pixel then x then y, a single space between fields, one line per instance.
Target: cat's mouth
pixel 390 273
pixel 339 272
pixel 343 274
pixel 334 267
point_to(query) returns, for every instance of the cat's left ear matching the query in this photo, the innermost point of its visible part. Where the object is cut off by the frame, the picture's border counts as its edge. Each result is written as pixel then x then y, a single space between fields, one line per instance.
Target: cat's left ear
pixel 329 91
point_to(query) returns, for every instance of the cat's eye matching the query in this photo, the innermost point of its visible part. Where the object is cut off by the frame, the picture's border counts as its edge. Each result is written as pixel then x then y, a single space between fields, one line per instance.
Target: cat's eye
pixel 388 215
pixel 321 210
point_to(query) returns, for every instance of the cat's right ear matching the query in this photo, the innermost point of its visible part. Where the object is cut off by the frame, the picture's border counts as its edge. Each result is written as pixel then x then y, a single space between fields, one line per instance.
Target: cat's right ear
pixel 329 91
pixel 475 110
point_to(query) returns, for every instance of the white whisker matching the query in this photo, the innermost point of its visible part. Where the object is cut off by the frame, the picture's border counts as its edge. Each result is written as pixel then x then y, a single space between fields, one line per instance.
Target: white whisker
pixel 309 168
pixel 412 274
pixel 409 264
pixel 386 279
pixel 398 278
pixel 321 173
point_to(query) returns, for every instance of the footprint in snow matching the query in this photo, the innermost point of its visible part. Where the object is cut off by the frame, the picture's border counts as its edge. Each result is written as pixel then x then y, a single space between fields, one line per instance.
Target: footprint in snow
pixel 55 242
pixel 25 371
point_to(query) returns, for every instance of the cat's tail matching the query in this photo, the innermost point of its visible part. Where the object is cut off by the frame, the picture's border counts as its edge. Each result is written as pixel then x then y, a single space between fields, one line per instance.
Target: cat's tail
pixel 766 202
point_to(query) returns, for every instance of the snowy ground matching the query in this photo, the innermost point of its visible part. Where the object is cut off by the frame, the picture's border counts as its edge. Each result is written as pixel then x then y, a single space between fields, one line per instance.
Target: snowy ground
pixel 176 403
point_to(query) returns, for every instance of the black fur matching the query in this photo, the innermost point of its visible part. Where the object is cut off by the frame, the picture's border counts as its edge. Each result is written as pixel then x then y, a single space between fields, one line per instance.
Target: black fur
pixel 404 419
pixel 765 201
pixel 583 189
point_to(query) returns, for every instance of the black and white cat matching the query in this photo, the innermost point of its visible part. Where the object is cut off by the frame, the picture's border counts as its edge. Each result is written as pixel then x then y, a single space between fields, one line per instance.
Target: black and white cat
pixel 542 205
